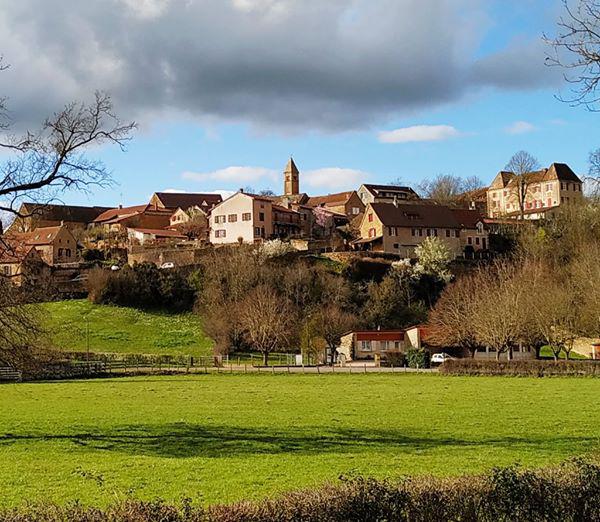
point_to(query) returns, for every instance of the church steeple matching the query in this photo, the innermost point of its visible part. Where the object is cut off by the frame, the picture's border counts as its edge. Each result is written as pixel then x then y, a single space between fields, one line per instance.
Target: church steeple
pixel 291 184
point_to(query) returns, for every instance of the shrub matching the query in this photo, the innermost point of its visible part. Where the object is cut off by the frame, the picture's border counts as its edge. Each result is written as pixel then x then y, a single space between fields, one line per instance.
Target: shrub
pixel 395 359
pixel 531 368
pixel 418 358
pixel 142 286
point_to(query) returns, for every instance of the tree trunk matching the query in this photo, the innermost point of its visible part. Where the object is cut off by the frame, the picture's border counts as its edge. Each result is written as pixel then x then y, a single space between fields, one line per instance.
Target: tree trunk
pixel 498 355
pixel 265 358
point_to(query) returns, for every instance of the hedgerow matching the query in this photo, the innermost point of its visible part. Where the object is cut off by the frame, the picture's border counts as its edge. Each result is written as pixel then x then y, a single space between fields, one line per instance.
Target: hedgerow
pixel 566 493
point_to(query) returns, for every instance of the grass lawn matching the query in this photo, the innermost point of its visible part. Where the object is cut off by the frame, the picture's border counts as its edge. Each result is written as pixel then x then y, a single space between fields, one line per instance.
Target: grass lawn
pixel 123 330
pixel 219 438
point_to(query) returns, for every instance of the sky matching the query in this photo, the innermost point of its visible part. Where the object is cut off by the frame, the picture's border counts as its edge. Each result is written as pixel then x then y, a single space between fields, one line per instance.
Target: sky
pixel 225 91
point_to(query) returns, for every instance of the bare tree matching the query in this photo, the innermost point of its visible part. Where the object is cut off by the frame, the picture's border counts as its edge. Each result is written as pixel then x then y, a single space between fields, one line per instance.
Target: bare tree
pixel 523 165
pixel 447 189
pixel 333 322
pixel 267 321
pixel 452 317
pixel 593 178
pixel 46 163
pixel 576 49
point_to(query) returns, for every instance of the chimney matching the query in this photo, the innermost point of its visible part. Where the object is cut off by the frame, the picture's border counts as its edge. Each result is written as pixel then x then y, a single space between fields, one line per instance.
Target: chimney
pixel 241 190
pixel 395 200
pixel 120 206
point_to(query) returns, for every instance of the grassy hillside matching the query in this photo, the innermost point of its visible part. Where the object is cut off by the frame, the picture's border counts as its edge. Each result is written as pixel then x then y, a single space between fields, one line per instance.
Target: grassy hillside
pixel 123 330
pixel 217 438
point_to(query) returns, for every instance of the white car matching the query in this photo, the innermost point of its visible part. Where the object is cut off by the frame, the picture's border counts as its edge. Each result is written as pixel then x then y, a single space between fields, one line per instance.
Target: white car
pixel 169 264
pixel 439 358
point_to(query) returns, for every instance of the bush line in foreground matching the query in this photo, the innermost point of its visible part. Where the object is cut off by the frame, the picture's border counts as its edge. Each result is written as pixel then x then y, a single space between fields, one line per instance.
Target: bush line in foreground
pixel 568 492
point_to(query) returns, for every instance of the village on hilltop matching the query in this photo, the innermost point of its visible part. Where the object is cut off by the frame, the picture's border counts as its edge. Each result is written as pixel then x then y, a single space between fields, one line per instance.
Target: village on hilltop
pixel 173 229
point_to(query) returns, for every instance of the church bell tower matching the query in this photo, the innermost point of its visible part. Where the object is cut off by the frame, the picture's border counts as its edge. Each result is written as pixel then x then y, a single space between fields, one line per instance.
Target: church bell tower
pixel 291 184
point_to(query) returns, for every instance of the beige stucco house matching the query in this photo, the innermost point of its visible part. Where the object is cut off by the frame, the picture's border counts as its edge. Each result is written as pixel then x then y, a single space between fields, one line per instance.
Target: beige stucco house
pixel 243 217
pixel 546 190
pixel 346 203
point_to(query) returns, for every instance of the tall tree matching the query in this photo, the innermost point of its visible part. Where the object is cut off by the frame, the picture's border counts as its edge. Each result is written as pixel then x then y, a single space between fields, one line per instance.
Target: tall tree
pixel 523 165
pixel 267 321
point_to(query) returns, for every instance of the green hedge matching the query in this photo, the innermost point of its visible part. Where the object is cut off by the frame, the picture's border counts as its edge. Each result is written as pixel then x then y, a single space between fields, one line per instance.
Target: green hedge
pixel 418 358
pixel 533 368
pixel 566 493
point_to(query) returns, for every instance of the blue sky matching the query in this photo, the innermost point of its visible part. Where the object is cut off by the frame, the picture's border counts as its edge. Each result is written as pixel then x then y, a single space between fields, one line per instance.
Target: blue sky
pixel 499 97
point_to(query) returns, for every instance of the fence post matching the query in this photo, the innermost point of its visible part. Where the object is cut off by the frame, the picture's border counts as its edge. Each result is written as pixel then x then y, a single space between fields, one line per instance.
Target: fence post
pixel 365 367
pixel 245 367
pixel 318 370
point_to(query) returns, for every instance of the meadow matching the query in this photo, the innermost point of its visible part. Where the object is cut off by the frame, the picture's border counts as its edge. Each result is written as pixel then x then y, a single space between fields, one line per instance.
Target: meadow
pixel 72 325
pixel 220 438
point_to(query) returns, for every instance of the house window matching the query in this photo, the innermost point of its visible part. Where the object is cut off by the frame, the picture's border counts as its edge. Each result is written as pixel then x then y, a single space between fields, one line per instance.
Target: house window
pixel 68 252
pixel 372 232
pixel 355 211
pixel 256 231
pixel 477 241
pixel 246 216
pixel 6 270
pixel 428 232
pixel 220 233
pixel 420 232
pixel 396 345
pixel 60 252
pixel 365 346
pixel 447 232
pixel 261 216
pixel 232 218
pixel 392 231
pixel 396 246
pixel 370 217
pixel 220 219
pixel 480 228
pixel 457 233
pixel 470 240
pixel 413 232
pixel 385 345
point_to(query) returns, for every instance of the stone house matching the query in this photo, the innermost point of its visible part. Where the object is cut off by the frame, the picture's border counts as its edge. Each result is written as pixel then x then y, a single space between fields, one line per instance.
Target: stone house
pixel 346 203
pixel 21 263
pixel 400 228
pixel 546 190
pixel 35 215
pixel 118 219
pixel 370 193
pixel 56 245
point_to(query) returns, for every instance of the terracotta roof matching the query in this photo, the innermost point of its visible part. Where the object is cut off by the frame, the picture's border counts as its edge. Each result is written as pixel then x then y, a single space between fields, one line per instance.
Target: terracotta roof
pixel 479 194
pixel 113 213
pixel 186 200
pixel 467 218
pixel 330 199
pixel 279 208
pixel 14 253
pixel 415 215
pixel 39 236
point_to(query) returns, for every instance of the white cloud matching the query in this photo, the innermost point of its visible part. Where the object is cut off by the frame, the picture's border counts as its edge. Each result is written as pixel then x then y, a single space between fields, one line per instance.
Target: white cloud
pixel 520 127
pixel 333 178
pixel 174 191
pixel 238 174
pixel 419 133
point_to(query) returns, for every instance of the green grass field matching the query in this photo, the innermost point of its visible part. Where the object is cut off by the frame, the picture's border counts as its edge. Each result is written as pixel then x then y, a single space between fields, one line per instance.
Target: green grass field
pixel 219 438
pixel 123 330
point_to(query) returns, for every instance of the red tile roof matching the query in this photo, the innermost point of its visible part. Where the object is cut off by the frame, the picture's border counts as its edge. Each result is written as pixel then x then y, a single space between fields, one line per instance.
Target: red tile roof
pixel 120 212
pixel 467 218
pixel 341 198
pixel 39 236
